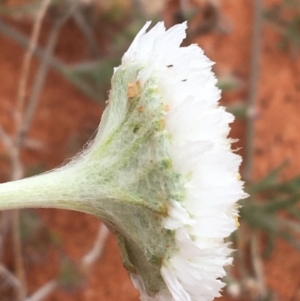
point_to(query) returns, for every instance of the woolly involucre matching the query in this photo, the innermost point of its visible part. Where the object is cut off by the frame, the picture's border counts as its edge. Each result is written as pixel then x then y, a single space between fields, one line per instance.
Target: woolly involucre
pixel 160 172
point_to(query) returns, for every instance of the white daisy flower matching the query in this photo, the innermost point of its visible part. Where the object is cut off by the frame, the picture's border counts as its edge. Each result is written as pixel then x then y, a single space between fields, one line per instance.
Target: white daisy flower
pixel 201 153
pixel 160 173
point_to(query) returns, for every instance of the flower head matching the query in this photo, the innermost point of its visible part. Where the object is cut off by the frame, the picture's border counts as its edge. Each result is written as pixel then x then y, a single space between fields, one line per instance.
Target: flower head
pixel 204 213
pixel 160 172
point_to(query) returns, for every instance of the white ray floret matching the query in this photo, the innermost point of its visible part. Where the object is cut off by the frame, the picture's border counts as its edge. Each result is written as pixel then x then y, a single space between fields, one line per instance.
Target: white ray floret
pixel 201 152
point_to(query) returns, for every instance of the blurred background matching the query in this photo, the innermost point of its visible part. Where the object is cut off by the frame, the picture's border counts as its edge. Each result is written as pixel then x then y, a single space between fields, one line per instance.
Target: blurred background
pixel 56 61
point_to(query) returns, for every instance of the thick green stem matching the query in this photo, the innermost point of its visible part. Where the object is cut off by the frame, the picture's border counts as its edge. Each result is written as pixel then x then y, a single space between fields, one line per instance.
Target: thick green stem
pixel 55 189
pixel 142 240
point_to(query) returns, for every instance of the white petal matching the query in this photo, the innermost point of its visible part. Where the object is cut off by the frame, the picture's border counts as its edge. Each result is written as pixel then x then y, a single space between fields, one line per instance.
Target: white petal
pixel 201 153
pixel 176 289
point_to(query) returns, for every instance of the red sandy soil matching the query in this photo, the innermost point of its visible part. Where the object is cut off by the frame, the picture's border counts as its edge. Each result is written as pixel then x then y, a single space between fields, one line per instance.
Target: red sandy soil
pixel 65 119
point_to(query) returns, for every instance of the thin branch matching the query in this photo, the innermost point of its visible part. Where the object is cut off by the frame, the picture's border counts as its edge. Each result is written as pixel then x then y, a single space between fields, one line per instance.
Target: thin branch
pixel 22 40
pixel 4 228
pixel 13 152
pixel 18 258
pixel 257 265
pixel 55 63
pixel 14 146
pixel 44 291
pixel 6 139
pixel 41 75
pixel 17 172
pixel 239 255
pixel 17 166
pixel 98 247
pixel 87 32
pixel 87 260
pixel 253 88
pixel 27 59
pixel 10 277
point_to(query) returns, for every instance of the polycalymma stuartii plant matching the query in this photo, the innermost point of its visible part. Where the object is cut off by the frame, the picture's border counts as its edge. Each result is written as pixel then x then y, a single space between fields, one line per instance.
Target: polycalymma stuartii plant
pixel 160 172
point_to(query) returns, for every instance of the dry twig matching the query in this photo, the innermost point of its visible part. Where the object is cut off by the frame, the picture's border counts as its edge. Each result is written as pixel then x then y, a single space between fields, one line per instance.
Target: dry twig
pixel 22 40
pixel 27 59
pixel 44 291
pixel 17 166
pixel 87 32
pixel 11 278
pixel 257 265
pixel 87 261
pixel 14 145
pixel 253 87
pixel 42 73
pixel 97 248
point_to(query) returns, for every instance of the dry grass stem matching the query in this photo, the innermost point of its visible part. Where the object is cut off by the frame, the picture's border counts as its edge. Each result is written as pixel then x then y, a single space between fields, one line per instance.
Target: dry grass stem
pixel 87 32
pixel 253 88
pixel 42 74
pixel 44 291
pixel 257 265
pixel 27 59
pixel 11 279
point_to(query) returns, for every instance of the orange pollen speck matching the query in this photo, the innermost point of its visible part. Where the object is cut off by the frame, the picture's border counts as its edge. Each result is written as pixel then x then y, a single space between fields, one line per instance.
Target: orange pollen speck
pixel 133 89
pixel 167 108
pixel 164 211
pixel 237 221
pixel 140 109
